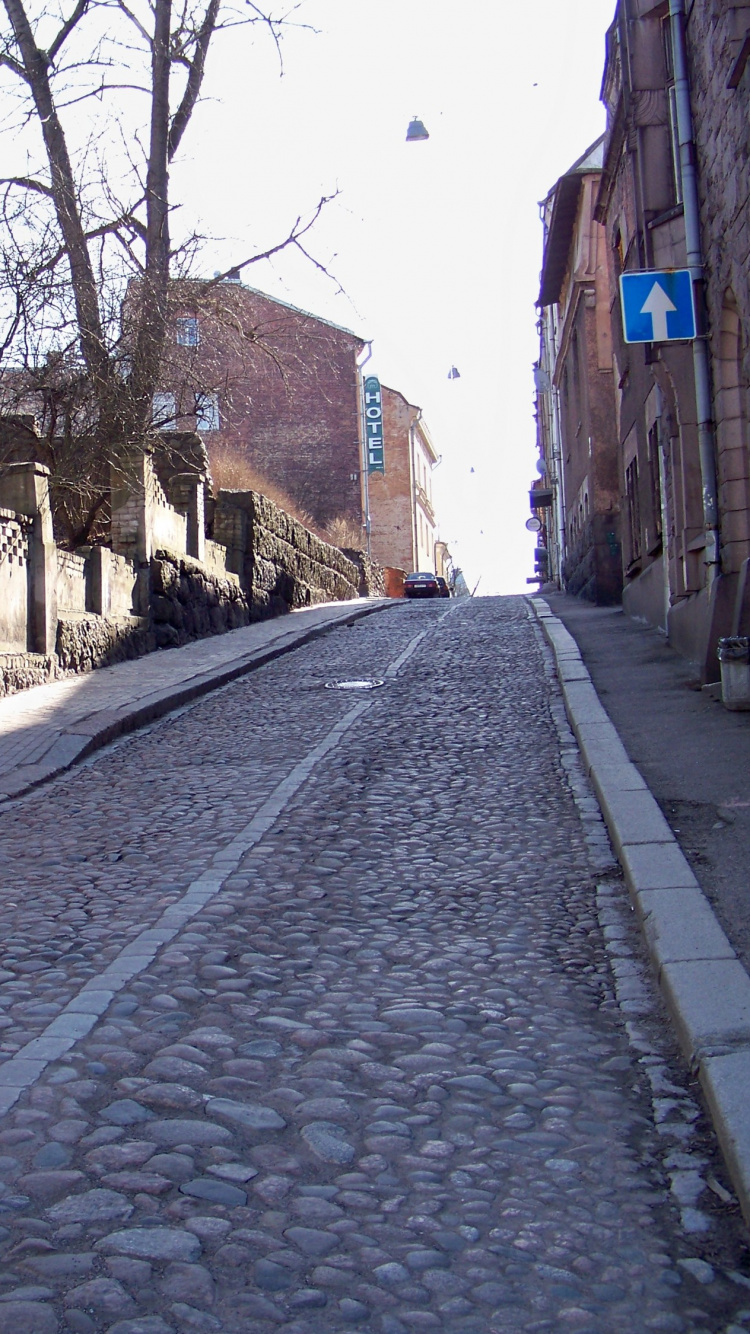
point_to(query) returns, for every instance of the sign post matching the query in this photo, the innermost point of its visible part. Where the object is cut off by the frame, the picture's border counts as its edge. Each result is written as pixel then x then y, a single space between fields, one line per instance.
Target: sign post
pixel 657 306
pixel 373 402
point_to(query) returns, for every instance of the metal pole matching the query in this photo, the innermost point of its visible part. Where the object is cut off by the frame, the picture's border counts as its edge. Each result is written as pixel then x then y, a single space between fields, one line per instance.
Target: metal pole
pixel 706 440
pixel 364 457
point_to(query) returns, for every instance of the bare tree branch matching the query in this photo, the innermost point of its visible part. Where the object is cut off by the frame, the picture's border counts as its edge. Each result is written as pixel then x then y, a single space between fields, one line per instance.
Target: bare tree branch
pixel 66 30
pixel 196 70
pixel 297 232
pixel 27 183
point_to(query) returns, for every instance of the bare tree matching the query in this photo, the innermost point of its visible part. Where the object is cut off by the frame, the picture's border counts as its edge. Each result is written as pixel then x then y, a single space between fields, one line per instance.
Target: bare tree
pixel 86 219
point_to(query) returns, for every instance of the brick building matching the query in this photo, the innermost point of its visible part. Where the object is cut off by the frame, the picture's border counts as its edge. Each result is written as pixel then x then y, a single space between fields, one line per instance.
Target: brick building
pixel 401 510
pixel 272 384
pixel 575 393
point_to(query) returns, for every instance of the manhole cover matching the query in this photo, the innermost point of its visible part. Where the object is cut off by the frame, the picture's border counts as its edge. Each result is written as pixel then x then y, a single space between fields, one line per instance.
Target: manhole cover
pixel 353 685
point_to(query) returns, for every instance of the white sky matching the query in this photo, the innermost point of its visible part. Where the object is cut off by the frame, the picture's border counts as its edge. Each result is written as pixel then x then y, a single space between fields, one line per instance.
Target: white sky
pixel 437 245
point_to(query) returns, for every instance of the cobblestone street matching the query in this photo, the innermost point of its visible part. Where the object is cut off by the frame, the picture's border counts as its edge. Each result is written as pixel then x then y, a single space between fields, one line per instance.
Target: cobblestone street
pixel 324 1011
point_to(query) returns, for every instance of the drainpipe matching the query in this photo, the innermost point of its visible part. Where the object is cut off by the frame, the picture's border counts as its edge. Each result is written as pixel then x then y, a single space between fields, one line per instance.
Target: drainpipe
pixel 559 479
pixel 706 441
pixel 364 460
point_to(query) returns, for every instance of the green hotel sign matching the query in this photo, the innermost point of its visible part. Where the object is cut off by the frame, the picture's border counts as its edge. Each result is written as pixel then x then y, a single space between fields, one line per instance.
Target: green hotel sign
pixel 373 397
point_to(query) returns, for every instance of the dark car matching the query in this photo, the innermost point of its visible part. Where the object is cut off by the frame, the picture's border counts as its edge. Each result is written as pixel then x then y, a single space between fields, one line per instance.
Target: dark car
pixel 444 589
pixel 421 585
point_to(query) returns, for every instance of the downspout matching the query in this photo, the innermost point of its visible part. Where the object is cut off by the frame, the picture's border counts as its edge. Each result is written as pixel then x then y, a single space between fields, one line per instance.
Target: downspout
pixel 413 494
pixel 364 460
pixel 559 479
pixel 706 440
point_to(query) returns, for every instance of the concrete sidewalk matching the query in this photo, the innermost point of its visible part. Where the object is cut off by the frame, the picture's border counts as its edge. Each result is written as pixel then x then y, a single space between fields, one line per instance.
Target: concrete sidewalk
pixel 652 745
pixel 692 752
pixel 46 729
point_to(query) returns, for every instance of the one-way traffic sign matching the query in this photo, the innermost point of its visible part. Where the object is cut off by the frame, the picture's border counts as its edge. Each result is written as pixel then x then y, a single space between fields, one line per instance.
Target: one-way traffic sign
pixel 657 307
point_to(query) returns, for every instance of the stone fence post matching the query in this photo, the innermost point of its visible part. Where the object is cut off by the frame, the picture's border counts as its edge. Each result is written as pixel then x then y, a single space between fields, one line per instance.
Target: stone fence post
pixel 24 487
pixel 187 493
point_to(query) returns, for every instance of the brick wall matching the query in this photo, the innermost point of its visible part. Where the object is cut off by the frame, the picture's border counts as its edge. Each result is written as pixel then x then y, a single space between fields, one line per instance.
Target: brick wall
pixel 391 507
pixel 286 385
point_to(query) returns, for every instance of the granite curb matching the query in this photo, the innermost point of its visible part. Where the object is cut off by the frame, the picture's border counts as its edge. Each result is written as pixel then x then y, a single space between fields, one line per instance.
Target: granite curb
pixel 704 985
pixel 81 738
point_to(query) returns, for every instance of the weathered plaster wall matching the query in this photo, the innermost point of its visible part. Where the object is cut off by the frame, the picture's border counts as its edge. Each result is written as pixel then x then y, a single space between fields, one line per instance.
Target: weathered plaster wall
pixel 14 559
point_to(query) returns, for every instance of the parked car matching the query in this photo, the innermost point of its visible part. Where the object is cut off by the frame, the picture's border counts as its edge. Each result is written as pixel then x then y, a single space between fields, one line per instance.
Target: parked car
pixel 421 585
pixel 444 589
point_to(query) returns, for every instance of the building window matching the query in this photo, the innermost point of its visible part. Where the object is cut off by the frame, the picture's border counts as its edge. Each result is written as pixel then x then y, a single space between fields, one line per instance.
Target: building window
pixel 164 412
pixel 634 509
pixel 207 412
pixel 654 481
pixel 188 333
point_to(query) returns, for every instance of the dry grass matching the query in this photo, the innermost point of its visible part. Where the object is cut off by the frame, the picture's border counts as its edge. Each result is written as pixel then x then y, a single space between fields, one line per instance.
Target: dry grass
pixel 343 532
pixel 231 470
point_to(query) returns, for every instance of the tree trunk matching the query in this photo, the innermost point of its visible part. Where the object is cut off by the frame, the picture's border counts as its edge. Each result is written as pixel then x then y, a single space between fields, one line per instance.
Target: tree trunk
pixel 65 198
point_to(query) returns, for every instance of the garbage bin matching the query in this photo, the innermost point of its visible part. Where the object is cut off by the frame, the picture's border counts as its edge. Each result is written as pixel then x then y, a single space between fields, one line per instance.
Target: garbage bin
pixel 734 657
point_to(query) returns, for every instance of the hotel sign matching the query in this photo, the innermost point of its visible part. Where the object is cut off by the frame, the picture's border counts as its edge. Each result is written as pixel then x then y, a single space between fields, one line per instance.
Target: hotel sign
pixel 374 424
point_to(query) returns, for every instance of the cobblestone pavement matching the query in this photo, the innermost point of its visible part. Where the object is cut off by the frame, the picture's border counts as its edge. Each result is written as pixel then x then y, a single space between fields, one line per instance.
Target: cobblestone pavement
pixel 376 1049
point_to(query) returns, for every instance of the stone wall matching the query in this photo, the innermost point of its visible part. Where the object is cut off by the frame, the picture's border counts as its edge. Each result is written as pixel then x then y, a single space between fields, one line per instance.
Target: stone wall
pixel 21 671
pixel 189 601
pixel 372 579
pixel 86 641
pixel 282 565
pixel 81 610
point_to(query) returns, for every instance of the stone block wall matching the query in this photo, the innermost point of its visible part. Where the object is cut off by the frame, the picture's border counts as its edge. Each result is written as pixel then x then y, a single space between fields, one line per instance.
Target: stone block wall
pixel 281 564
pixel 21 671
pixel 86 641
pixel 372 577
pixel 189 601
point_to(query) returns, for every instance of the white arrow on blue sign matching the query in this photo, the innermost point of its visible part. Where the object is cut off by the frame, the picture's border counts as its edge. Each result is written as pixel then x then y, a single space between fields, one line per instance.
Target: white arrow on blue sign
pixel 657 307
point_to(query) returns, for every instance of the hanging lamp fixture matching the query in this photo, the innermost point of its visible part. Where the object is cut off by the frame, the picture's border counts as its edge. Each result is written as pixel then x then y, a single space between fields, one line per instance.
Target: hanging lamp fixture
pixel 416 131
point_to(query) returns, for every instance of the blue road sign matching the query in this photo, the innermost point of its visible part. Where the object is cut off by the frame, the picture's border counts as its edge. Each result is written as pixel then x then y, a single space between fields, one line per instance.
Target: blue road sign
pixel 657 307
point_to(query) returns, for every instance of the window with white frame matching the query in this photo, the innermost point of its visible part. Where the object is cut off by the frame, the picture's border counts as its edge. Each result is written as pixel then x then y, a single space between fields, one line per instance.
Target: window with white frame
pixel 188 333
pixel 164 412
pixel 207 412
